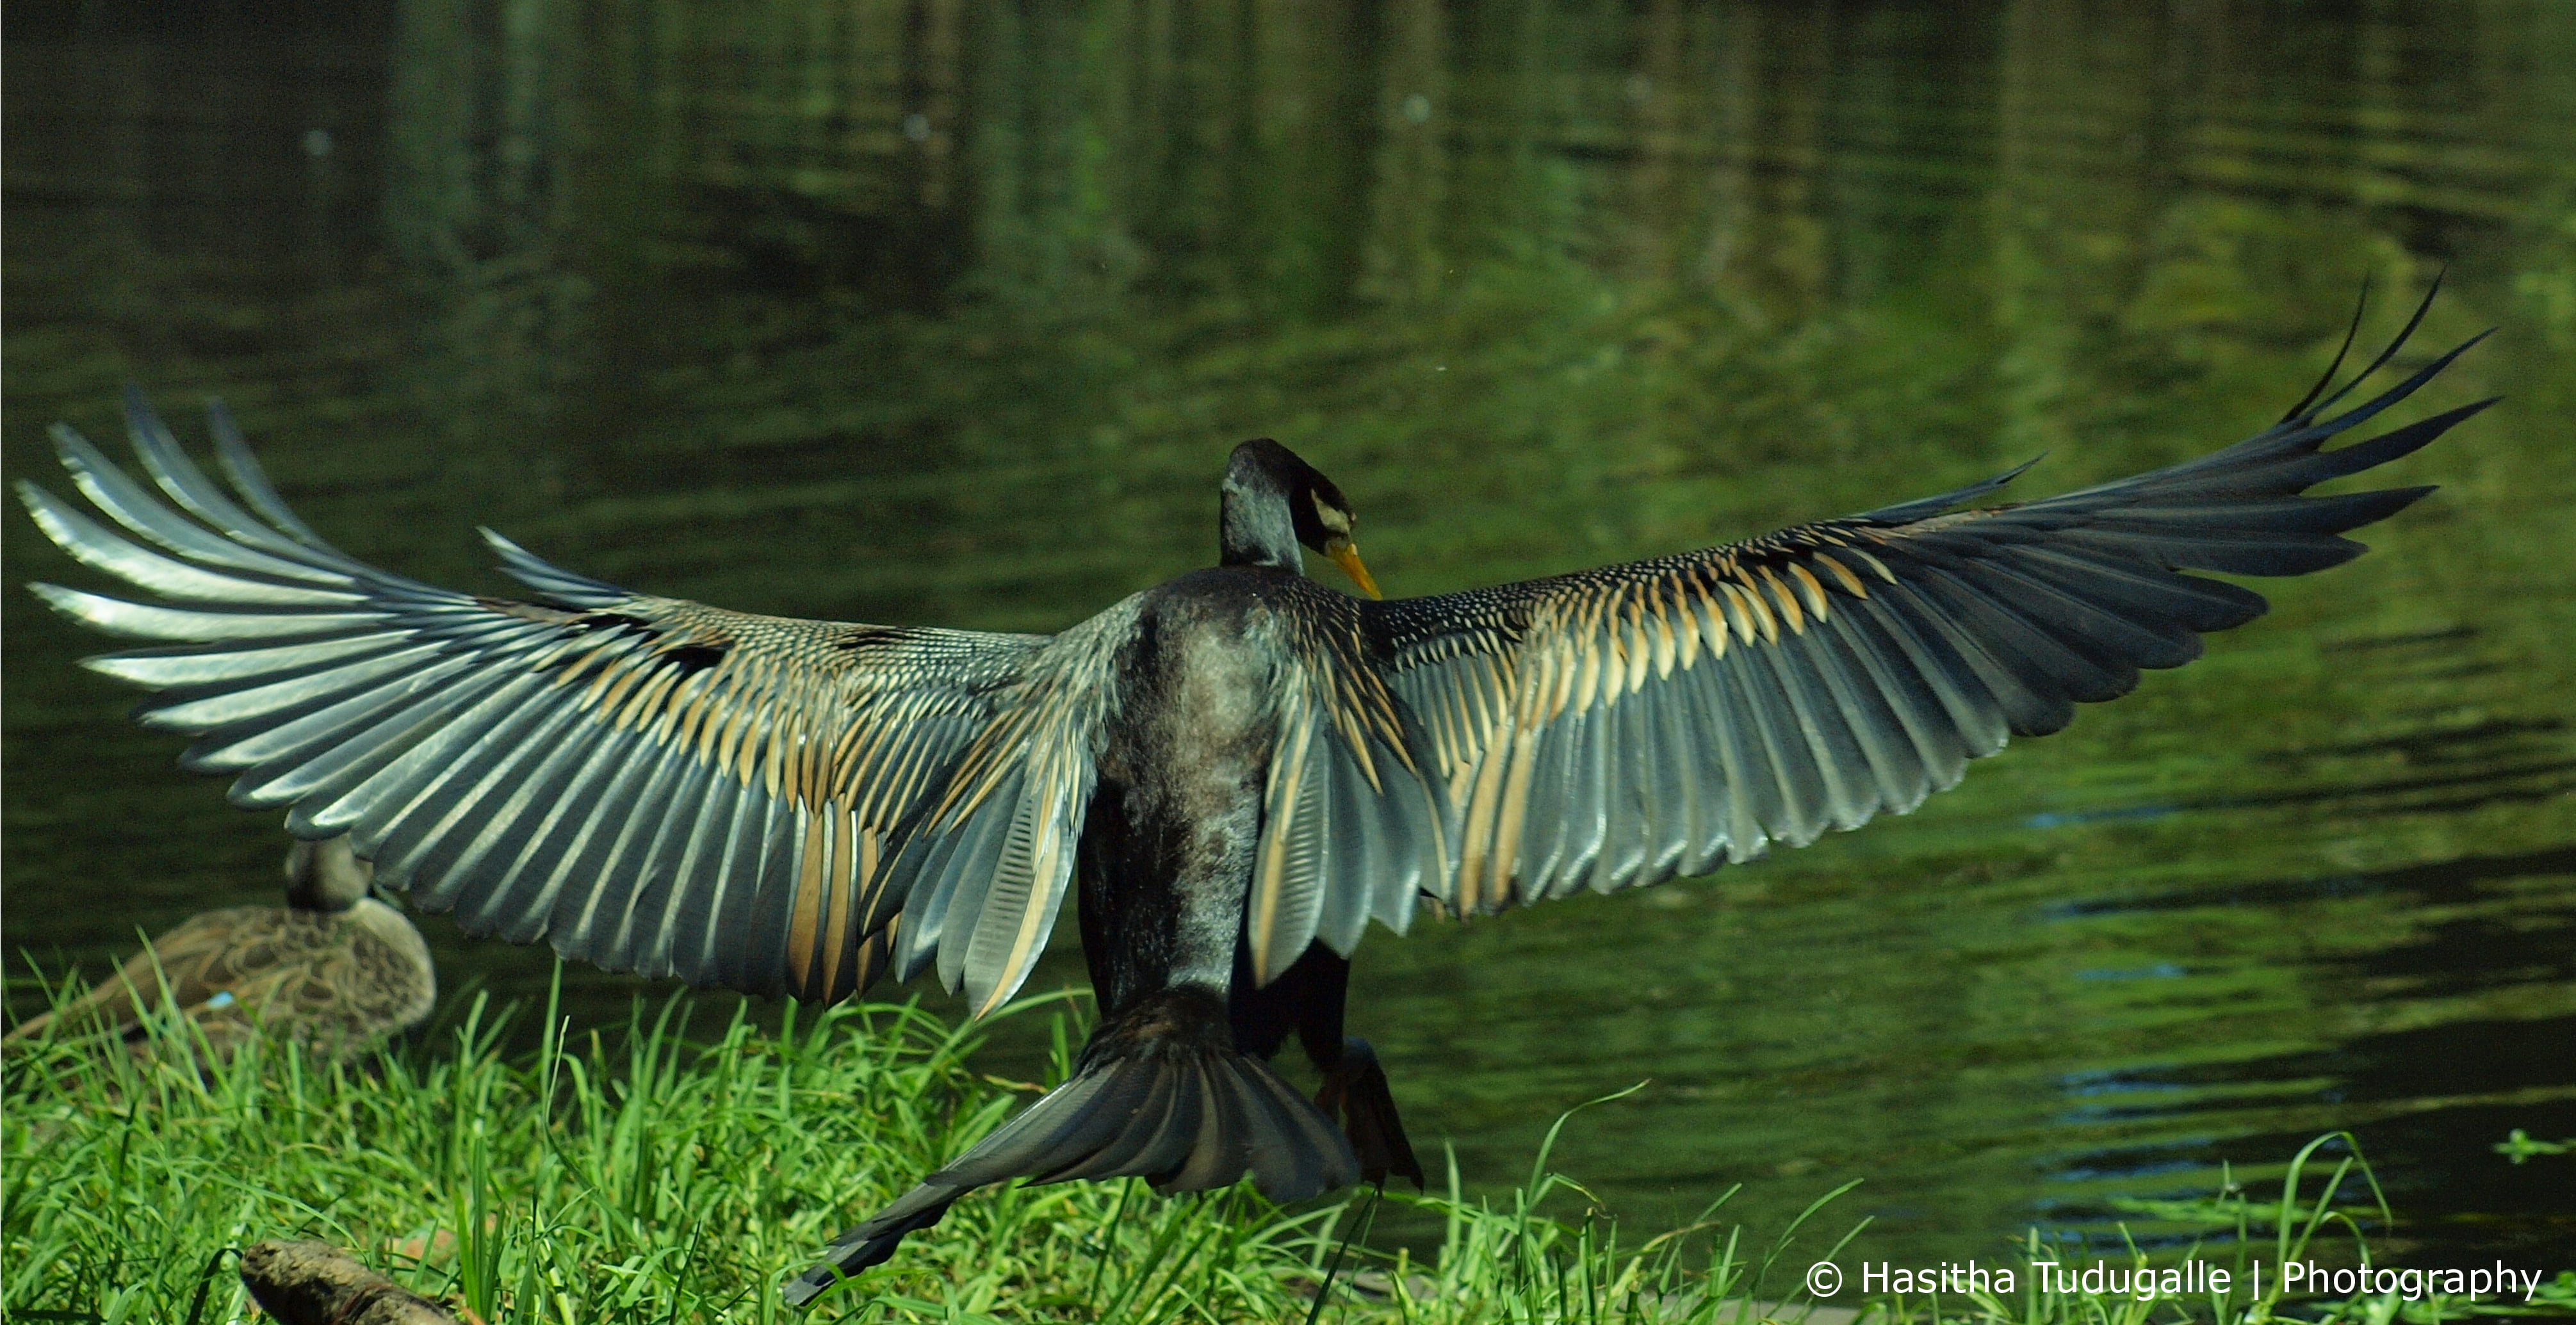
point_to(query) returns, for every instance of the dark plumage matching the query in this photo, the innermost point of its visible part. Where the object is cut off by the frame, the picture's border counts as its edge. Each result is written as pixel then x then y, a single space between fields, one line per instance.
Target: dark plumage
pixel 1237 770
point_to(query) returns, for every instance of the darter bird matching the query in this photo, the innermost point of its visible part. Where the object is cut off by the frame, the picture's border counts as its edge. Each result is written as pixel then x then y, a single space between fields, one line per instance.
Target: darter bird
pixel 1235 772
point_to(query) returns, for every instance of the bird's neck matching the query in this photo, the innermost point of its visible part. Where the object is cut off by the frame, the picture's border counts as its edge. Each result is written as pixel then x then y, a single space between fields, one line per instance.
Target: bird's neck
pixel 325 877
pixel 322 899
pixel 1254 529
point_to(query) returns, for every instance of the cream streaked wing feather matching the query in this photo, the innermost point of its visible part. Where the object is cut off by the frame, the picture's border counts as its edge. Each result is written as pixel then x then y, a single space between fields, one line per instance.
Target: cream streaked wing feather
pixel 1641 722
pixel 986 862
pixel 1350 830
pixel 650 784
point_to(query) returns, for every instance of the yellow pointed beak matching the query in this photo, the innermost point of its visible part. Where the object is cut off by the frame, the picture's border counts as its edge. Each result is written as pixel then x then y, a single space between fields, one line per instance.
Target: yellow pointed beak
pixel 1347 556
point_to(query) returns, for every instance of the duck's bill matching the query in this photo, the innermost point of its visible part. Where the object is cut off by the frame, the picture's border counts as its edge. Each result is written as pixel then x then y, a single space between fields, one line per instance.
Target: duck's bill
pixel 1347 557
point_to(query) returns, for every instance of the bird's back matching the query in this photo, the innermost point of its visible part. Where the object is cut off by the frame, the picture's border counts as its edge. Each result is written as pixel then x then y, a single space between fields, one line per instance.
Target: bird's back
pixel 1174 822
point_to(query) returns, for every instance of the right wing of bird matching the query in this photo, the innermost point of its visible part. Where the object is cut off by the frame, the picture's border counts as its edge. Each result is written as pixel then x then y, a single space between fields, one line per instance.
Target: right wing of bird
pixel 1642 722
pixel 648 783
pixel 1352 829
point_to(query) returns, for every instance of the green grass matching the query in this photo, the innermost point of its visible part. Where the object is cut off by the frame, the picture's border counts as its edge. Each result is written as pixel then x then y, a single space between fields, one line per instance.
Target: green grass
pixel 660 1177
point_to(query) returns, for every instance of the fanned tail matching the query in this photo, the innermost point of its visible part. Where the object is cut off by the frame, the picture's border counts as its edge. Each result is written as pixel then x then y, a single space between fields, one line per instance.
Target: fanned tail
pixel 1160 1094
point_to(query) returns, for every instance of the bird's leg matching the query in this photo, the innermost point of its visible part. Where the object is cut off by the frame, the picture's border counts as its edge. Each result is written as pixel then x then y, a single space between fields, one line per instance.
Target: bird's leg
pixel 1309 997
pixel 1355 1094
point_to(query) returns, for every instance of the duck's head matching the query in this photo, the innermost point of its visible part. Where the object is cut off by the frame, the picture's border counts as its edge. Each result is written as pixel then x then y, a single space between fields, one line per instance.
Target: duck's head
pixel 326 876
pixel 1275 503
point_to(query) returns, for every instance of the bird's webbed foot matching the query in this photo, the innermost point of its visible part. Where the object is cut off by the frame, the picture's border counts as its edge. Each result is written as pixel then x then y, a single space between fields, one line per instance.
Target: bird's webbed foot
pixel 1355 1094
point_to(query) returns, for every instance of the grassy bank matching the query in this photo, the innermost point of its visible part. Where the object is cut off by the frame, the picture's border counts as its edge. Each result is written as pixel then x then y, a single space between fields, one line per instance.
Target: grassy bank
pixel 661 1176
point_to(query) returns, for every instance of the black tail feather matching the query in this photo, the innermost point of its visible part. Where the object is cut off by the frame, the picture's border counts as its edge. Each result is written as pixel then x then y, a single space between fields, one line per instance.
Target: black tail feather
pixel 873 1242
pixel 1160 1094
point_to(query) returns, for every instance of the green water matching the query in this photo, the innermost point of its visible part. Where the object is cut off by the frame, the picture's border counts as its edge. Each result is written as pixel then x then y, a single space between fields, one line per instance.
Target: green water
pixel 946 311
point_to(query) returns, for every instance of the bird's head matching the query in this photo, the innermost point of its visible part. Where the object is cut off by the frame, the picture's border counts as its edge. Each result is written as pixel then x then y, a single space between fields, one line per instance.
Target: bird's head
pixel 326 876
pixel 1275 502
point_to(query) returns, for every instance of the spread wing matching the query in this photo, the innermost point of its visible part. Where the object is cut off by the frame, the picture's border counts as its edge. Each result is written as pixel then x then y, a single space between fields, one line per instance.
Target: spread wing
pixel 650 784
pixel 1647 721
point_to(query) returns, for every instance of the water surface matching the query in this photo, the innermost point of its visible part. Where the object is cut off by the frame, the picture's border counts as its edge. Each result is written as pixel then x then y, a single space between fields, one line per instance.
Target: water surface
pixel 892 310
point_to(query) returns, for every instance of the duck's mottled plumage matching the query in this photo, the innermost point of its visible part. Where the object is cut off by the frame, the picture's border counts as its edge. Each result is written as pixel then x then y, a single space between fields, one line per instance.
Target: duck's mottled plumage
pixel 334 969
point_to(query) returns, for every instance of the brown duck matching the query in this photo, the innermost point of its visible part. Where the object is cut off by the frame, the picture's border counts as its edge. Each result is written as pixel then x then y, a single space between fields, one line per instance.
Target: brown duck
pixel 334 969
